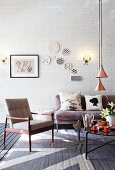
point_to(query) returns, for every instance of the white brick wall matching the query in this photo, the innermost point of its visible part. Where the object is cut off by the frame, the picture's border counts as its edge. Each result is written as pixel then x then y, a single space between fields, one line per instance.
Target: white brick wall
pixel 29 26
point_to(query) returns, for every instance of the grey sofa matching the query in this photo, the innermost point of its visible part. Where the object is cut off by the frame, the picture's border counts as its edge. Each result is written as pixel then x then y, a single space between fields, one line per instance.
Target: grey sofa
pixel 71 117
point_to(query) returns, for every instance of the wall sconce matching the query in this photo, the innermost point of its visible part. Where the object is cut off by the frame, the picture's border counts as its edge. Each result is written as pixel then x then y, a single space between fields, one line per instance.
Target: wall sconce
pixel 86 58
pixel 3 58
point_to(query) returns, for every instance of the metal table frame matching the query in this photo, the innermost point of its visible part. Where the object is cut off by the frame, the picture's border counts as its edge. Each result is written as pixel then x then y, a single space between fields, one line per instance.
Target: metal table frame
pixel 86 141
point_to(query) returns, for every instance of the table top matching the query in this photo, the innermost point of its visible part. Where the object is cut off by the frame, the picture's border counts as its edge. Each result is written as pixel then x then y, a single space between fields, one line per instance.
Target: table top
pixel 111 131
pixel 98 131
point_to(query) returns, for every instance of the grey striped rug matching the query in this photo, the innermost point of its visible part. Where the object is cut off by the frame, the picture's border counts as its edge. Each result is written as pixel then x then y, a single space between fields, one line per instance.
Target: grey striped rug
pixel 11 138
pixel 63 154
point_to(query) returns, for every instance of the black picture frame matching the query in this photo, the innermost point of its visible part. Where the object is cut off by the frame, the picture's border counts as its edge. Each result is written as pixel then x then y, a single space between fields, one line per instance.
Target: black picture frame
pixel 24 66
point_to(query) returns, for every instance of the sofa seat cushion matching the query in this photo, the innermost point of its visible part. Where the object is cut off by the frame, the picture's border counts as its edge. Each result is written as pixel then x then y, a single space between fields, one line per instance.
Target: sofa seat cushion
pixel 69 115
pixel 74 115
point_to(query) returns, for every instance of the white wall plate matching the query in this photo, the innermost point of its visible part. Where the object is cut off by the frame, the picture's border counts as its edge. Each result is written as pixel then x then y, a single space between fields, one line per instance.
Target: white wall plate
pixel 54 47
pixel 46 60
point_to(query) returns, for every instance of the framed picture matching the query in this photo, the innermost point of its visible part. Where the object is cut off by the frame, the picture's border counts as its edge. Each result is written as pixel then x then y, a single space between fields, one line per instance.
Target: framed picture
pixel 24 66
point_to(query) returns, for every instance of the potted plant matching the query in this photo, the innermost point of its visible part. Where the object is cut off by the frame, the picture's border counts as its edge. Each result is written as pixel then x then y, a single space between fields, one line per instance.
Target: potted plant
pixel 109 113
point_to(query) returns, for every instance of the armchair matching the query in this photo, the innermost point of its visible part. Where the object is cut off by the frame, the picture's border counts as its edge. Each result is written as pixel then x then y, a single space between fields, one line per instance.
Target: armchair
pixel 19 113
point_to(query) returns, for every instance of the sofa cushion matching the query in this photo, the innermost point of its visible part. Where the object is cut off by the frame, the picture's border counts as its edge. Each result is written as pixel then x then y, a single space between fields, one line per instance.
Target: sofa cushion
pixel 105 99
pixel 70 101
pixel 69 115
pixel 93 102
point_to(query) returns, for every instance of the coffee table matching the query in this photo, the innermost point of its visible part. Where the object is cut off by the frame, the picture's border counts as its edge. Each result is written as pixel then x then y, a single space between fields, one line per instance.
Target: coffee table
pixel 88 131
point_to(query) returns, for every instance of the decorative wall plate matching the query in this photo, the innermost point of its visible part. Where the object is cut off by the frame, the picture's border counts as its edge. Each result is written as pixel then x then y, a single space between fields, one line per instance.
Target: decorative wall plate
pixel 46 60
pixel 60 61
pixel 66 51
pixel 68 66
pixel 74 71
pixel 54 47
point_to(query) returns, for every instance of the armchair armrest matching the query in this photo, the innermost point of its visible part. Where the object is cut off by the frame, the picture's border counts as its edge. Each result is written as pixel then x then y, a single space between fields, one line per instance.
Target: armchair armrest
pixel 34 113
pixel 17 130
pixel 43 113
pixel 16 118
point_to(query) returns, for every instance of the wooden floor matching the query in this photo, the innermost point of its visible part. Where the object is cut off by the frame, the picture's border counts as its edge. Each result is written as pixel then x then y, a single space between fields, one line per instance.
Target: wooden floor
pixel 10 140
pixel 64 154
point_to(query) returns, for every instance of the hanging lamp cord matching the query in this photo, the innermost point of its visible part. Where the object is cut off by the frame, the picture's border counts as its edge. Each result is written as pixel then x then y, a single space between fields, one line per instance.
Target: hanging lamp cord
pixel 101 32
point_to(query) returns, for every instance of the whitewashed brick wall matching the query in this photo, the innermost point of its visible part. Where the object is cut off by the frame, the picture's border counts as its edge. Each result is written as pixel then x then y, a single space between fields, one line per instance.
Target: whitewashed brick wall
pixel 29 26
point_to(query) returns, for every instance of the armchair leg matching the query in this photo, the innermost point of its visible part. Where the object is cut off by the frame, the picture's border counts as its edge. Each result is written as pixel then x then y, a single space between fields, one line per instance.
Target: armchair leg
pixel 29 142
pixel 57 127
pixel 4 138
pixel 53 135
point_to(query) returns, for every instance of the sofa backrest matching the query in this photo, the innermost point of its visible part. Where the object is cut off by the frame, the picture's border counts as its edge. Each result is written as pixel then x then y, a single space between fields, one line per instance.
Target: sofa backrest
pixel 111 98
pixel 105 100
pixel 57 102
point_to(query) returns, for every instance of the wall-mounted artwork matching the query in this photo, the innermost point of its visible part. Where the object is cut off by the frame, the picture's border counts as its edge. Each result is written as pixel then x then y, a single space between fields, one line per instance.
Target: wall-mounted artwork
pixel 66 51
pixel 76 78
pixel 54 47
pixel 74 71
pixel 46 60
pixel 68 66
pixel 24 66
pixel 60 61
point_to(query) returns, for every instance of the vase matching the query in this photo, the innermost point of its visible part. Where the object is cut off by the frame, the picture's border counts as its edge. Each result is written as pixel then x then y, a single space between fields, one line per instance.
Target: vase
pixel 111 120
pixel 88 120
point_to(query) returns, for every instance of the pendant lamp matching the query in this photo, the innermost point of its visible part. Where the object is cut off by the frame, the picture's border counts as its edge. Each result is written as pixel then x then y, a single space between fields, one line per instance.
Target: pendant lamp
pixel 102 73
pixel 99 86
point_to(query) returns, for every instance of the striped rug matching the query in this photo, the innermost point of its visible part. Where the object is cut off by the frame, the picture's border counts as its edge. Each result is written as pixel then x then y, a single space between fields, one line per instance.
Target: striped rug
pixel 11 138
pixel 63 154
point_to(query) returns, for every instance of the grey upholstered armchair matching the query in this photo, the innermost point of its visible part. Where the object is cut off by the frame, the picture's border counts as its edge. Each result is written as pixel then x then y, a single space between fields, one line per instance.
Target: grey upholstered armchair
pixel 19 113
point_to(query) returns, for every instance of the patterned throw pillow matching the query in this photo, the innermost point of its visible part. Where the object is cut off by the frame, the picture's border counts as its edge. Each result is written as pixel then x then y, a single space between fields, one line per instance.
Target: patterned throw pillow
pixel 93 102
pixel 70 101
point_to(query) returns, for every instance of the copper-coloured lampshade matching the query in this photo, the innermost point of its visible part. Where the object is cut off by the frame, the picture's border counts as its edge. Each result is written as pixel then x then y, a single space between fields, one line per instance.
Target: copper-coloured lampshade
pixel 102 73
pixel 99 86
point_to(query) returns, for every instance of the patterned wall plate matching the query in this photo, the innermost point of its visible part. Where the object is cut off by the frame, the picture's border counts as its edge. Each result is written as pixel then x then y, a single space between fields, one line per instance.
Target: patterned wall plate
pixel 54 47
pixel 68 66
pixel 60 61
pixel 46 60
pixel 66 51
pixel 74 71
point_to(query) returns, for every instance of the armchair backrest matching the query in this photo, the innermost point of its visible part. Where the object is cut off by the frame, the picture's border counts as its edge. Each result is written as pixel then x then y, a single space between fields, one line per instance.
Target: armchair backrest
pixel 18 108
